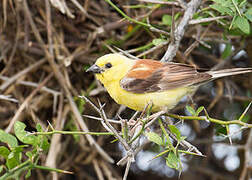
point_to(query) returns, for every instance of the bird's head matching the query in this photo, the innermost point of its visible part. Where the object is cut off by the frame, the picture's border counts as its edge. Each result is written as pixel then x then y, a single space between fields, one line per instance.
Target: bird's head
pixel 111 67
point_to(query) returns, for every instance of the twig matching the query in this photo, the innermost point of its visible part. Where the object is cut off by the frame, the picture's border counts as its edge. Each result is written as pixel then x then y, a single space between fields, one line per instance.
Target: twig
pixel 97 169
pixel 98 110
pixel 180 30
pixel 137 134
pixel 51 169
pixel 21 73
pixel 236 7
pixel 80 7
pixel 128 148
pixel 152 28
pixel 204 20
pixel 153 49
pixel 197 42
pixel 32 84
pixel 127 169
pixel 154 118
pixel 62 7
pixel 160 2
pixel 56 145
pixel 14 48
pixel 126 53
pixel 247 159
pixel 100 119
pixel 159 31
pixel 49 26
pixel 107 171
pixel 111 128
pixel 25 165
pixel 8 98
pixel 125 16
pixel 238 98
pixel 25 103
pixel 71 133
pixel 185 143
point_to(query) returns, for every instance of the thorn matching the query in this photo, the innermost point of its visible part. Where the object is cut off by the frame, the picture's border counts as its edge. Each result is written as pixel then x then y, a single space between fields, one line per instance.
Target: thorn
pixel 50 125
pixel 246 110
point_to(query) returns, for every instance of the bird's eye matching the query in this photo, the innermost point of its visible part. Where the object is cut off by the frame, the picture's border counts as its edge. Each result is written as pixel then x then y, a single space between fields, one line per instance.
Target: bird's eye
pixel 108 65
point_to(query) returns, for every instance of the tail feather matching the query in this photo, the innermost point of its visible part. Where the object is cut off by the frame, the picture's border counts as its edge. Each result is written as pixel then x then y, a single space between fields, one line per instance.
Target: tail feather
pixel 229 72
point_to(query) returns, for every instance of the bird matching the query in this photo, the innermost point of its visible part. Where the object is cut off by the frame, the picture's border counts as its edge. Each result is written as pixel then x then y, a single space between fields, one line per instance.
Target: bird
pixel 137 83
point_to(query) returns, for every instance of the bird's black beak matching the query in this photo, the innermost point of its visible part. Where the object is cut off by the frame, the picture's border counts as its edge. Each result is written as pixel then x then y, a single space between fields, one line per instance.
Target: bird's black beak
pixel 95 69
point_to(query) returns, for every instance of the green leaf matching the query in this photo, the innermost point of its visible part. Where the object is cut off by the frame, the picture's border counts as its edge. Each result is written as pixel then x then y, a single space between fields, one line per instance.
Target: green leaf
pixel 16 153
pixel 4 151
pixel 13 160
pixel 248 14
pixel 177 15
pixel 221 130
pixel 225 3
pixel 222 9
pixel 190 110
pixel 199 110
pixel 22 135
pixel 29 154
pixel 11 155
pixel 242 4
pixel 11 163
pixel 19 148
pixel 172 160
pixel 8 139
pixel 39 128
pixel 42 140
pixel 153 137
pixel 43 143
pixel 167 20
pixel 158 41
pixel 28 174
pixel 175 131
pixel 243 24
pixel 227 51
pixel 1 168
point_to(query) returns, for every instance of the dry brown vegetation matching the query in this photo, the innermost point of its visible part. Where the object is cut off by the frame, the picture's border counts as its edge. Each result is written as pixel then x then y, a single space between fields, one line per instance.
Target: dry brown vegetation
pixel 43 54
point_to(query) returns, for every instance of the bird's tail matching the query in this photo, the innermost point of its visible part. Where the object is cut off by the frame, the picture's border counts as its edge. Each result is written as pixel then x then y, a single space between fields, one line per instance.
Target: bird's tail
pixel 229 72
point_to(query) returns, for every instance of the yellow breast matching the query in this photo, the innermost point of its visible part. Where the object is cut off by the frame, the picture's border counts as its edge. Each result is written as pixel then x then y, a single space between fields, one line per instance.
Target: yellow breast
pixel 160 100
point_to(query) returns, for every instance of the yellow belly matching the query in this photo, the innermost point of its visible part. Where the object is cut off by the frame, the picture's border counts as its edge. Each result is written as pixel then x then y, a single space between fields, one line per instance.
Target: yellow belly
pixel 160 100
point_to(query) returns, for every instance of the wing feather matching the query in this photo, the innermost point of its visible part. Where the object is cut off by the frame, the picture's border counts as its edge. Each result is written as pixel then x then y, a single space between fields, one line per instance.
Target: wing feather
pixel 152 76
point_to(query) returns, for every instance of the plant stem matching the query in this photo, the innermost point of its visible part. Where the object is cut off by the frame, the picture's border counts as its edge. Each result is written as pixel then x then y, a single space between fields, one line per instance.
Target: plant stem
pixel 72 133
pixel 125 16
pixel 12 172
pixel 217 121
pixel 51 169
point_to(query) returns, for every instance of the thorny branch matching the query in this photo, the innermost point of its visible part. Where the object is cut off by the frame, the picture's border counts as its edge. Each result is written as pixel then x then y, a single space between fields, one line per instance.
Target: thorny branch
pixel 135 130
pixel 213 120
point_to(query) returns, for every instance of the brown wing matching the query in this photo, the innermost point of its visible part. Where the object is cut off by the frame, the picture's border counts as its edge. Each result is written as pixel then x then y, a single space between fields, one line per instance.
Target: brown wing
pixel 153 76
